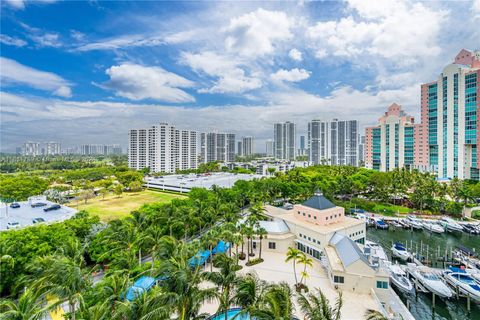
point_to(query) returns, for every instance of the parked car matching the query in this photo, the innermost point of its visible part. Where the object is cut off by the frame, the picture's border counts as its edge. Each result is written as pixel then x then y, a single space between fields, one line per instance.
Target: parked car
pixel 15 205
pixel 13 225
pixel 38 220
pixel 52 207
pixel 38 204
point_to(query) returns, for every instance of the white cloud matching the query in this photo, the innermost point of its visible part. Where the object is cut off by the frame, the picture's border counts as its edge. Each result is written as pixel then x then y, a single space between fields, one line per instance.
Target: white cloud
pixel 293 75
pixel 42 38
pixel 14 73
pixel 255 34
pixel 230 77
pixel 77 35
pixel 476 8
pixel 10 41
pixel 136 82
pixel 136 40
pixel 20 4
pixel 390 29
pixel 295 54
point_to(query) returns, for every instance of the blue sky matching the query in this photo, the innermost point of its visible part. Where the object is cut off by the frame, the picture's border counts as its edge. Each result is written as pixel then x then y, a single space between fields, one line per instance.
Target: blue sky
pixel 86 72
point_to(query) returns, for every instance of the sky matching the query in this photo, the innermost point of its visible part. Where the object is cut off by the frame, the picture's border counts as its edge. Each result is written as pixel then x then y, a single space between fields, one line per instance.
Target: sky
pixel 85 72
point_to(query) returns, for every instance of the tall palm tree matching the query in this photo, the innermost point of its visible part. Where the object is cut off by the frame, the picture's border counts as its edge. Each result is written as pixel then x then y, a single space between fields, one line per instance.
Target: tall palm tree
pixel 65 279
pixel 371 314
pixel 293 255
pixel 315 306
pixel 307 262
pixel 182 287
pixel 29 306
pixel 248 292
pixel 276 303
pixel 262 234
pixel 111 289
pixel 225 278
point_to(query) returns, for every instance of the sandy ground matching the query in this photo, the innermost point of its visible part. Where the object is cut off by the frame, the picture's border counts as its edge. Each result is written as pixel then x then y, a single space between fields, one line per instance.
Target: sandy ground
pixel 275 269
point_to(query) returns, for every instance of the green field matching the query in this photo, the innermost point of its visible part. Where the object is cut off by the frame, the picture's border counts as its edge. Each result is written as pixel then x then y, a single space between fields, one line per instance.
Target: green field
pixel 114 207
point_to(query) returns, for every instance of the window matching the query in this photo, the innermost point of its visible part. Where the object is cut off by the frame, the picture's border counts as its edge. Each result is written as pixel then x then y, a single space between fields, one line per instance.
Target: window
pixel 272 245
pixel 304 214
pixel 254 245
pixel 309 239
pixel 338 279
pixel 298 212
pixel 309 215
pixel 382 284
pixel 315 217
pixel 326 218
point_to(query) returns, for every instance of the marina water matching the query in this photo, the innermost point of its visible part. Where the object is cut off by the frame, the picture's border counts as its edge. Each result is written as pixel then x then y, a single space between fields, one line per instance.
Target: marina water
pixel 437 244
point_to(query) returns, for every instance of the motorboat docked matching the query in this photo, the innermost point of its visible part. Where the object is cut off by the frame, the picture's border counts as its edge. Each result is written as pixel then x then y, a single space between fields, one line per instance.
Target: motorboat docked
pixel 380 224
pixel 466 283
pixel 451 225
pixel 374 252
pixel 396 224
pixel 468 228
pixel 399 251
pixel 414 223
pixel 399 278
pixel 433 227
pixel 431 281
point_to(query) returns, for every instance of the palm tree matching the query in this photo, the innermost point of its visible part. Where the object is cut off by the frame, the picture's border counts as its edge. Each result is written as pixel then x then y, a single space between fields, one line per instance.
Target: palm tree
pixel 315 306
pixel 306 261
pixel 248 292
pixel 183 292
pixel 276 303
pixel 371 314
pixel 111 289
pixel 293 255
pixel 262 234
pixel 64 278
pixel 29 306
pixel 225 279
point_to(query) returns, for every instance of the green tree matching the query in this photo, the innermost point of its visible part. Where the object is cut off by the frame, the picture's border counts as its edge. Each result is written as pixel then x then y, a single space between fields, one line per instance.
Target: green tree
pixel 118 189
pixel 293 255
pixel 315 306
pixel 276 303
pixel 371 314
pixel 307 262
pixel 29 306
pixel 21 187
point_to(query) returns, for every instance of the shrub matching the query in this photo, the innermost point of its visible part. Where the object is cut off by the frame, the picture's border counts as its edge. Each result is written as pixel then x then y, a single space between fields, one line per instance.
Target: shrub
pixel 254 262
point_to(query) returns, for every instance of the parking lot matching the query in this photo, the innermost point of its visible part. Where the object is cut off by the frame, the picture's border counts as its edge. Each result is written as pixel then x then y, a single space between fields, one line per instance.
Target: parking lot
pixel 183 183
pixel 25 214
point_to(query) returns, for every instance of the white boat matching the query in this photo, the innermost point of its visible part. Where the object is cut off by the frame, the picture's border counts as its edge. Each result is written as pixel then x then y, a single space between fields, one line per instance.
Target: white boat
pixel 380 224
pixel 433 227
pixel 465 282
pixel 451 225
pixel 374 252
pixel 432 282
pixel 399 251
pixel 399 278
pixel 414 222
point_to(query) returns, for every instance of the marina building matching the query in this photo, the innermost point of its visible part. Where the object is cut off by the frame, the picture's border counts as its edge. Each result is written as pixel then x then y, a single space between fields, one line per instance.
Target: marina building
pixel 217 147
pixel 333 142
pixel 162 148
pixel 269 148
pixel 309 226
pixel 284 140
pixel 391 143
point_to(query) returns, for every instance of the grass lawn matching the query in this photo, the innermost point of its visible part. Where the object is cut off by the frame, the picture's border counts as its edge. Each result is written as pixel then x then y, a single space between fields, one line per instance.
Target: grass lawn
pixel 113 207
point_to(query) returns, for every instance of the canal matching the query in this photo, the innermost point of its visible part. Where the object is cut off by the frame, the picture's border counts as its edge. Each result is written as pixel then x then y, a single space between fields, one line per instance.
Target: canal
pixel 421 303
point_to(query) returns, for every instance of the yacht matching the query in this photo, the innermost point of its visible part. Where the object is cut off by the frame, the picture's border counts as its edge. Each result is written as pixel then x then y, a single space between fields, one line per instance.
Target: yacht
pixel 375 252
pixel 468 228
pixel 451 225
pixel 466 283
pixel 399 278
pixel 433 227
pixel 399 251
pixel 414 223
pixel 432 282
pixel 380 224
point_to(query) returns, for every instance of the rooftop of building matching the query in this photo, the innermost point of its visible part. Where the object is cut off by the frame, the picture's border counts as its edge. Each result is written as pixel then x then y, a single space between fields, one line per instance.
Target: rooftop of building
pixel 24 215
pixel 319 202
pixel 289 216
pixel 347 250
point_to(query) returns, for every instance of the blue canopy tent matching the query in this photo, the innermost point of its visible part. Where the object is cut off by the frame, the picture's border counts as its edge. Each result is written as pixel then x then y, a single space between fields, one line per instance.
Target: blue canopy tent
pixel 221 247
pixel 139 287
pixel 199 259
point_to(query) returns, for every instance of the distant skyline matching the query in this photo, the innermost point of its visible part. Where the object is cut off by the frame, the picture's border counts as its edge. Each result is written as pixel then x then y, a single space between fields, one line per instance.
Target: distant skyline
pixel 81 72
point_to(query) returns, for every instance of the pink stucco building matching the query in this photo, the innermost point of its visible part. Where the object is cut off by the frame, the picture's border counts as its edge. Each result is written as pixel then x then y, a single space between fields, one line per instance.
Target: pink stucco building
pixel 319 210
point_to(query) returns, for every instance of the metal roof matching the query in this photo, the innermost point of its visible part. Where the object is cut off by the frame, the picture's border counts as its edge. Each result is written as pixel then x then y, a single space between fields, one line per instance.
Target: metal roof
pixel 319 202
pixel 276 226
pixel 347 250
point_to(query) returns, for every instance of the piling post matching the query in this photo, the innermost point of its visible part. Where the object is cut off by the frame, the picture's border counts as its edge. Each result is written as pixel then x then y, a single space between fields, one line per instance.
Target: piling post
pixel 457 291
pixel 433 300
pixel 468 302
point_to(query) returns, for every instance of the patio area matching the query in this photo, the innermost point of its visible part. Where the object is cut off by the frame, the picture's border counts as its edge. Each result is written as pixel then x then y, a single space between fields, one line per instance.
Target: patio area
pixel 275 269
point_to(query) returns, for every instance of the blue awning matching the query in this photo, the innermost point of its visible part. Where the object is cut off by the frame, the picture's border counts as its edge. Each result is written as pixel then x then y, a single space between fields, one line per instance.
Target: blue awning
pixel 199 259
pixel 221 247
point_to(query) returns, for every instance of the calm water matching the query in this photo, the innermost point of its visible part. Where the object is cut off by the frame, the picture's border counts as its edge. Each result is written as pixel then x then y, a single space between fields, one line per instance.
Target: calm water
pixel 421 304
